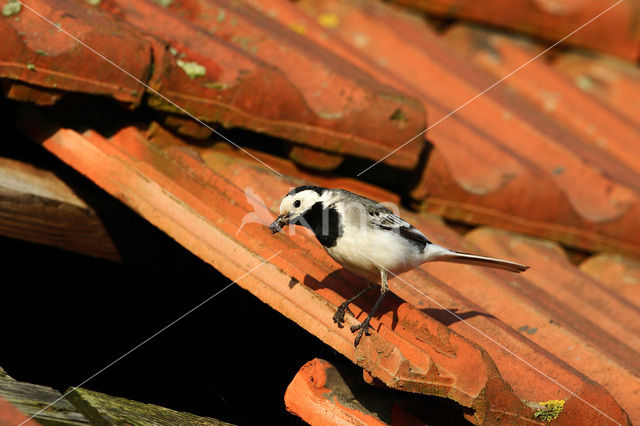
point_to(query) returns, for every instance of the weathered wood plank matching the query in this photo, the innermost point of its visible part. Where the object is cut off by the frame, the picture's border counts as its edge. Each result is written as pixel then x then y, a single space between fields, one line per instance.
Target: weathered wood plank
pixel 103 409
pixel 4 375
pixel 30 399
pixel 37 206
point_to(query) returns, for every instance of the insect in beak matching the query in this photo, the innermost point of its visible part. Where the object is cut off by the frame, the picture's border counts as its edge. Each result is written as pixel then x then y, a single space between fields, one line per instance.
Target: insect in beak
pixel 277 224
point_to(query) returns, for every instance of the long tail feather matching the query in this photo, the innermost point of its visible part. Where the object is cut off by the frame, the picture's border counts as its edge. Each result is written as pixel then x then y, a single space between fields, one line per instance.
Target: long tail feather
pixel 438 253
pixel 489 262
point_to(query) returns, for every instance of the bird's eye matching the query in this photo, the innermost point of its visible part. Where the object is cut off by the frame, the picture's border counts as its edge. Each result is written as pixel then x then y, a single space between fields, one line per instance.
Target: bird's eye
pixel 296 203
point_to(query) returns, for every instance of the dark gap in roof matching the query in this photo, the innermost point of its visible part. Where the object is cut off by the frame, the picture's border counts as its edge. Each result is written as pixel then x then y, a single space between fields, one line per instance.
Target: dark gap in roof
pixel 460 227
pixel 575 255
pixel 439 23
pixel 78 314
pixel 394 179
pixel 83 112
pixel 261 142
pixel 381 400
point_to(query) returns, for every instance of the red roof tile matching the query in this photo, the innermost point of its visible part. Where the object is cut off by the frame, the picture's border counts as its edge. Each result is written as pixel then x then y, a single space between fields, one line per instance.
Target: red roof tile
pixel 619 274
pixel 318 397
pixel 9 415
pixel 320 394
pixel 497 304
pixel 257 74
pixel 202 205
pixel 263 76
pixel 535 155
pixel 614 82
pixel 24 92
pixel 569 314
pixel 167 194
pixel 614 32
pixel 480 170
pixel 36 52
pixel 606 139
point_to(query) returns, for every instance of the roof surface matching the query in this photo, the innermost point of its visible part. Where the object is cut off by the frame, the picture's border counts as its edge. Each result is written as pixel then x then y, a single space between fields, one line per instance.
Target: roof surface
pixel 544 168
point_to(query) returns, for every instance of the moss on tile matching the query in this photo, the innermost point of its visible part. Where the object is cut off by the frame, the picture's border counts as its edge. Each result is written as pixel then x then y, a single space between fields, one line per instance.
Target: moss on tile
pixel 550 410
pixel 192 69
pixel 11 8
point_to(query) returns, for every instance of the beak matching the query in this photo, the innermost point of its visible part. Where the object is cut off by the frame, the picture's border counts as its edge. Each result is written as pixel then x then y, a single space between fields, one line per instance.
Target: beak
pixel 277 224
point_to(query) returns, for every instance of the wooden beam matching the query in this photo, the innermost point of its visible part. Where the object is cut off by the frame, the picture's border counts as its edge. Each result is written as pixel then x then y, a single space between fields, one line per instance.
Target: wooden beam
pixel 36 206
pixel 30 399
pixel 110 410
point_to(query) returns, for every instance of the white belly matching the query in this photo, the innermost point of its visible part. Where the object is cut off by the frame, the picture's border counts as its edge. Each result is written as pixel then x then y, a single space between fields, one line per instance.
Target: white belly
pixel 365 253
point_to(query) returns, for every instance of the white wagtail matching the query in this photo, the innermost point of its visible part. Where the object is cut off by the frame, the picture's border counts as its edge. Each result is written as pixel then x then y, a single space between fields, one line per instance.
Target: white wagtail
pixel 367 239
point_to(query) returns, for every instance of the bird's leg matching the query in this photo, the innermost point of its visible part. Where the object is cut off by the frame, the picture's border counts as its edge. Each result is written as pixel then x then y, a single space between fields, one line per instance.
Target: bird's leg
pixel 338 317
pixel 364 327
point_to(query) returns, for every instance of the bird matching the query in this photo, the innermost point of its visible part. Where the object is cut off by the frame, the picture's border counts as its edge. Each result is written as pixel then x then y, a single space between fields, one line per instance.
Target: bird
pixel 367 239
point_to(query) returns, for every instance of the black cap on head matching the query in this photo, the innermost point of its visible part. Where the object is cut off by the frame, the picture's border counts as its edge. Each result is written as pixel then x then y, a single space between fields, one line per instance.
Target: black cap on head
pixel 317 189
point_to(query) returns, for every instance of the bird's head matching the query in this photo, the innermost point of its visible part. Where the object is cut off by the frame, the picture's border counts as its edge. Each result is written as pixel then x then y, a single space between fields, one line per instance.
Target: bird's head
pixel 295 204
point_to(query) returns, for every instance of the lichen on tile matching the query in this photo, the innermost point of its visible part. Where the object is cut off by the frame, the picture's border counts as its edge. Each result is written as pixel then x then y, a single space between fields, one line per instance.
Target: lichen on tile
pixel 192 69
pixel 11 8
pixel 549 410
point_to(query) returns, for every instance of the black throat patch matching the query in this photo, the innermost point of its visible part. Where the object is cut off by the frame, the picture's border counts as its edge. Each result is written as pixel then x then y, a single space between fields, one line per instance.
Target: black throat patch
pixel 324 222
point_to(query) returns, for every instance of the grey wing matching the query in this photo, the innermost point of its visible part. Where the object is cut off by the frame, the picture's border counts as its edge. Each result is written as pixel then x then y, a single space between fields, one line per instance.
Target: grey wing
pixel 387 220
pixel 383 218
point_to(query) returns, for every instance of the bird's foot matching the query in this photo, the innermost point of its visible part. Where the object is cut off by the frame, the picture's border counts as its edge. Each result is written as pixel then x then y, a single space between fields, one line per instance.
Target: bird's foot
pixel 338 317
pixel 364 329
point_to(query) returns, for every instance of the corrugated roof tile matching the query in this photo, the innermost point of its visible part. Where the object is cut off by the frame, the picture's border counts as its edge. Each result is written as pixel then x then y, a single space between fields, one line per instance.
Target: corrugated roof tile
pixel 201 205
pixel 24 92
pixel 619 274
pixel 614 82
pixel 497 304
pixel 322 394
pixel 36 52
pixel 319 396
pixel 9 415
pixel 614 32
pixel 479 170
pixel 566 312
pixel 202 209
pixel 265 77
pixel 606 140
pixel 558 164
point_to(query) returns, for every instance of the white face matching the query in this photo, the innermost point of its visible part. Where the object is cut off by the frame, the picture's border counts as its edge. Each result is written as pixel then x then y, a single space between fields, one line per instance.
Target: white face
pixel 296 205
pixel 293 206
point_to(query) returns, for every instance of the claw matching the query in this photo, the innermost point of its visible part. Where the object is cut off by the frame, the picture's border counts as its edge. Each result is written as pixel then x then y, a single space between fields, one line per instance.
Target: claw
pixel 364 329
pixel 338 317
